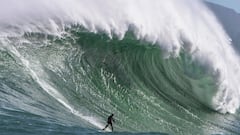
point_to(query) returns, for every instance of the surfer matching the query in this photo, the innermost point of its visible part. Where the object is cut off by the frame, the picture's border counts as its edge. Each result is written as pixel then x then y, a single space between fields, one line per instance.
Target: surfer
pixel 109 122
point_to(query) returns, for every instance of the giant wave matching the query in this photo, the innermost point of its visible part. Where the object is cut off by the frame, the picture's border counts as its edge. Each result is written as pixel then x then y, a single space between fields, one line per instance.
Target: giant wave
pixel 170 64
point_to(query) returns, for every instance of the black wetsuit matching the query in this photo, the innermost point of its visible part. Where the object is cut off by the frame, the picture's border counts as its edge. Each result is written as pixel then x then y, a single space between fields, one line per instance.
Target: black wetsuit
pixel 109 122
pixel 110 119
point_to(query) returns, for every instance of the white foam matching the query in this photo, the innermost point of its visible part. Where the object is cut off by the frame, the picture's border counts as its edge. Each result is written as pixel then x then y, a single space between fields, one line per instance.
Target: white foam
pixel 169 24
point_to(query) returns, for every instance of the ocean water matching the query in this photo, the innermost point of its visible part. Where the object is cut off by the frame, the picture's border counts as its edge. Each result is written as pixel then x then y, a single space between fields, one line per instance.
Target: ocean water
pixel 161 68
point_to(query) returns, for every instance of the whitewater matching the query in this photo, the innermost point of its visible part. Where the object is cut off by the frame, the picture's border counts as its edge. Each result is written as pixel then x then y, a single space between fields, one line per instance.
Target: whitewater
pixel 160 67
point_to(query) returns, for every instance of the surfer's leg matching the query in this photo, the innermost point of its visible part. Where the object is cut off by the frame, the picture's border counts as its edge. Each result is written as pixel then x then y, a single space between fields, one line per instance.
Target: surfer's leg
pixel 111 126
pixel 105 127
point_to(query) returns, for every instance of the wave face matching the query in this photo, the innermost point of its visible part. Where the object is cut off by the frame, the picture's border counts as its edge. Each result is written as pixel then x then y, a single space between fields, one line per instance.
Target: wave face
pixel 159 67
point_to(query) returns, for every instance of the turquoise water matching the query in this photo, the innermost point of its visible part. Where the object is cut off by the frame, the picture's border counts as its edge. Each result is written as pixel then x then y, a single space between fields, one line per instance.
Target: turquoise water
pixel 70 84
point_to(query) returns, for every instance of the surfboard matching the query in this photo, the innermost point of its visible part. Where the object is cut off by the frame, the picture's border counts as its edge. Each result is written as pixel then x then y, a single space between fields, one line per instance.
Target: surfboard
pixel 103 131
